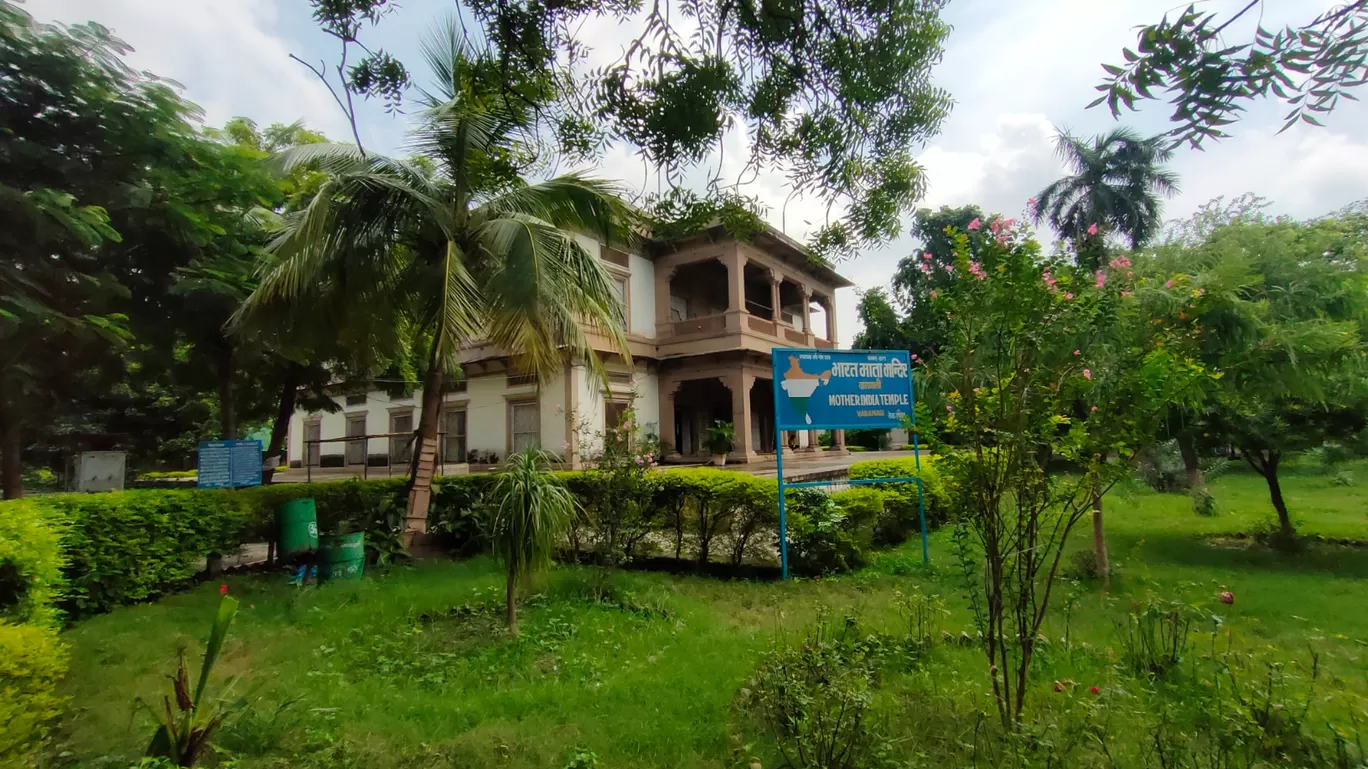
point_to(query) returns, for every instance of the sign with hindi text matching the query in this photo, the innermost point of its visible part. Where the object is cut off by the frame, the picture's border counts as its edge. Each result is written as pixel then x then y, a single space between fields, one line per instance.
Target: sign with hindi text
pixel 841 389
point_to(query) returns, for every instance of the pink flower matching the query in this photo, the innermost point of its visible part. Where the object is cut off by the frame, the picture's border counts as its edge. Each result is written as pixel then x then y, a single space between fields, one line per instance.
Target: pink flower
pixel 950 268
pixel 1120 263
pixel 1078 352
pixel 1101 278
pixel 223 590
pixel 1048 278
pixel 1087 374
pixel 914 356
pixel 1068 296
pixel 1168 283
pixel 974 225
pixel 1226 597
pixel 949 408
pixel 977 271
pixel 1130 274
pixel 1092 229
pixel 1009 223
pixel 1094 690
pixel 1126 293
pixel 1094 409
pixel 1031 202
pixel 927 256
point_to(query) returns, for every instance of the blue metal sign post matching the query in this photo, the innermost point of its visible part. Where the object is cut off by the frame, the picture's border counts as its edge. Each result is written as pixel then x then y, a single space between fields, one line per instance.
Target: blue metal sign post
pixel 842 390
pixel 229 464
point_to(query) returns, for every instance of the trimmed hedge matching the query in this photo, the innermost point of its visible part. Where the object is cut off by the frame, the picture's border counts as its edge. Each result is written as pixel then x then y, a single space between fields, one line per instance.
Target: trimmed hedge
pixel 33 661
pixel 31 564
pixel 900 520
pixel 32 658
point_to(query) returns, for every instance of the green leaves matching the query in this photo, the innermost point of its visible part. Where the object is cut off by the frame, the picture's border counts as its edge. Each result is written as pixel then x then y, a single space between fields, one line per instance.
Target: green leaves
pixel 1309 68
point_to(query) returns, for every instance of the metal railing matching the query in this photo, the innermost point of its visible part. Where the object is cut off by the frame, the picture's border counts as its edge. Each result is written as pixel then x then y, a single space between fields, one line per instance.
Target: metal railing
pixel 405 451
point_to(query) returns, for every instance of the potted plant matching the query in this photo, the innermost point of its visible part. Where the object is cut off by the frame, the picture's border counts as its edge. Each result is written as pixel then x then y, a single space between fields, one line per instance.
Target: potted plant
pixel 721 440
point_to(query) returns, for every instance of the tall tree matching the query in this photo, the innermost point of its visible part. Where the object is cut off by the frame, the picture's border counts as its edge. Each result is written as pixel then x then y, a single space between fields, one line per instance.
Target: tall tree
pixel 84 134
pixel 1115 185
pixel 1309 67
pixel 836 93
pixel 1281 310
pixel 461 244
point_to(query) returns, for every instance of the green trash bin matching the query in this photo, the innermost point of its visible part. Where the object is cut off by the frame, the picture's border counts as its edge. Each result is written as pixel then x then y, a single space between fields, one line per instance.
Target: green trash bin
pixel 342 556
pixel 298 524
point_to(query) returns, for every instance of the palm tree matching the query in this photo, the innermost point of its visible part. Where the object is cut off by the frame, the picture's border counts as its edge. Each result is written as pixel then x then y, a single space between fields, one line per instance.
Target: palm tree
pixel 533 510
pixel 1116 184
pixel 454 242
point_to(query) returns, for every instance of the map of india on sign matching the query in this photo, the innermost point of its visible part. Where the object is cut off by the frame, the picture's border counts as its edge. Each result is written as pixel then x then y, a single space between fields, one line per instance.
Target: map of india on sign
pixel 842 389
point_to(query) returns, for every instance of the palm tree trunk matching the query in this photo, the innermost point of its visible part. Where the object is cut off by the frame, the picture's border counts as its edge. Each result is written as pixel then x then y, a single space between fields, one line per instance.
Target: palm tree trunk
pixel 512 599
pixel 11 448
pixel 289 392
pixel 425 461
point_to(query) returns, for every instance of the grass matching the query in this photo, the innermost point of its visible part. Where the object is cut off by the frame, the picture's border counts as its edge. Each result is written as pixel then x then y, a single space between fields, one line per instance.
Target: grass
pixel 414 670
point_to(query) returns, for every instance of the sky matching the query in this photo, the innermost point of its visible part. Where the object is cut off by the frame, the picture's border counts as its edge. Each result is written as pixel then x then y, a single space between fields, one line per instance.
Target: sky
pixel 1017 70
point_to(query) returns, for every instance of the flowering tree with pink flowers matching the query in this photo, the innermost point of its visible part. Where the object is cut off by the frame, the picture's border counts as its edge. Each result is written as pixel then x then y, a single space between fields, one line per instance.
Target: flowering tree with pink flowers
pixel 1047 365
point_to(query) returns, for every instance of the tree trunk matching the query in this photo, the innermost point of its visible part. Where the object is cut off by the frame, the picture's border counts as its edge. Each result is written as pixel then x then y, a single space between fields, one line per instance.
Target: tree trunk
pixel 1099 533
pixel 512 599
pixel 1285 531
pixel 227 414
pixel 11 465
pixel 1187 446
pixel 425 458
pixel 289 393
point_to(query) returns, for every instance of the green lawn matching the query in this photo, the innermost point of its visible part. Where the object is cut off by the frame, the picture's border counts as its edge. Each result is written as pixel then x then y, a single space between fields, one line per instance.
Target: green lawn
pixel 414 670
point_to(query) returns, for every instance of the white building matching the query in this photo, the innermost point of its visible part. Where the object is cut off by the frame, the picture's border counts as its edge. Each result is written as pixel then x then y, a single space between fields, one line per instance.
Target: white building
pixel 703 314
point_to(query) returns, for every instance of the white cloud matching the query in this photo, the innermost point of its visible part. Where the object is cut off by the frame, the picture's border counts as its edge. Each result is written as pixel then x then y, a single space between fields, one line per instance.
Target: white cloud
pixel 226 54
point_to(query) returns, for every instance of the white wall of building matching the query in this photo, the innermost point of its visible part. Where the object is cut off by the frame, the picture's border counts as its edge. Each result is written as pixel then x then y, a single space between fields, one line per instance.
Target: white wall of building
pixel 642 295
pixel 376 410
pixel 554 411
pixel 487 413
pixel 648 400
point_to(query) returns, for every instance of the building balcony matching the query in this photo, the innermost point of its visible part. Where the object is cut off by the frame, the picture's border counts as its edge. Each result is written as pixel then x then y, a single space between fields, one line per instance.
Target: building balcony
pixel 731 330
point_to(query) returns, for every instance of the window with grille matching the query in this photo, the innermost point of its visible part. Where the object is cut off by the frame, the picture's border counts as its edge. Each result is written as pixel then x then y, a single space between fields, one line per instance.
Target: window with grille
pixel 526 426
pixel 454 435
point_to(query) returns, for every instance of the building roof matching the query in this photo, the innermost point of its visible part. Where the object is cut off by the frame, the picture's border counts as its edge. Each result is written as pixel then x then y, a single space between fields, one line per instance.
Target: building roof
pixel 787 249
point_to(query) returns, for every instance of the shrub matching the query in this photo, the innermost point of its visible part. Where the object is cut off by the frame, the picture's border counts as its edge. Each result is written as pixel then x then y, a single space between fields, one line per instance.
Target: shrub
pixel 30 564
pixel 32 661
pixel 814 699
pixel 820 540
pixel 129 546
pixel 901 518
pixel 754 505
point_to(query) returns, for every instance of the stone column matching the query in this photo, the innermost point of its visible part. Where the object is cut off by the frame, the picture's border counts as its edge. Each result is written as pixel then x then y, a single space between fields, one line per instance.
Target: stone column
pixel 775 280
pixel 664 327
pixel 740 385
pixel 814 446
pixel 807 313
pixel 667 417
pixel 736 289
pixel 838 442
pixel 829 305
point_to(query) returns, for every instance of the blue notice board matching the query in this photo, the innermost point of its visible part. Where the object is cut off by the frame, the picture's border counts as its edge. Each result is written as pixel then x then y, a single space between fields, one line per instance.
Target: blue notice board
pixel 229 464
pixel 842 389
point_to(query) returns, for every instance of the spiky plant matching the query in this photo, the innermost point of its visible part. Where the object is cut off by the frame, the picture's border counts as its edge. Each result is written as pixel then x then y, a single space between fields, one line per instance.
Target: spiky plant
pixel 532 511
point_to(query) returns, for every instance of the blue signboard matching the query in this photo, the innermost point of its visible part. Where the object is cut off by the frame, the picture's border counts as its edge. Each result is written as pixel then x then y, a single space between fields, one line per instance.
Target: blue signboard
pixel 229 464
pixel 842 389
